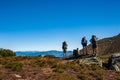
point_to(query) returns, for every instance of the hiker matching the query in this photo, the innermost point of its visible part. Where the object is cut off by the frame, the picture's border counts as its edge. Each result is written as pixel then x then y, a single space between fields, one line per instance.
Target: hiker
pixel 112 62
pixel 94 45
pixel 64 47
pixel 84 44
pixel 76 52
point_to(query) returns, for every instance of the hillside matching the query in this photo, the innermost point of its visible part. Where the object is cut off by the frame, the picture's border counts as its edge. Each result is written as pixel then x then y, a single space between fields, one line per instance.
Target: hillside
pixel 51 68
pixel 108 45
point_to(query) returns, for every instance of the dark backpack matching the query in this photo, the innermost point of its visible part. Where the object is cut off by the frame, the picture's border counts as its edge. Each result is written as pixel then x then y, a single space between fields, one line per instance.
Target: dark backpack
pixel 93 41
pixel 64 45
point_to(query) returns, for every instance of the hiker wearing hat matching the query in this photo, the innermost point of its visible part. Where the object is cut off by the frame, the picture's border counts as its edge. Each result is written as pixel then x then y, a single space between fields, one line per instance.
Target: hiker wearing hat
pixel 64 47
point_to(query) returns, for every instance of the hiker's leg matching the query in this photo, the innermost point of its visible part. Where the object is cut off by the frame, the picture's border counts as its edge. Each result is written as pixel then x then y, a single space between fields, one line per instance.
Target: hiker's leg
pixel 65 55
pixel 96 51
pixel 83 50
pixel 86 50
pixel 93 48
pixel 65 52
pixel 93 51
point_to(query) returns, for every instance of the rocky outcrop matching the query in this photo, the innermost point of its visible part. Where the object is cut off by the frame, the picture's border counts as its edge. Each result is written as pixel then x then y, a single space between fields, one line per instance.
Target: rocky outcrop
pixel 91 61
pixel 114 62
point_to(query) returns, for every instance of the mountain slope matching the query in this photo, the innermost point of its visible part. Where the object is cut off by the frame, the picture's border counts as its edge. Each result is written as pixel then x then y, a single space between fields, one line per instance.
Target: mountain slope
pixel 51 68
pixel 108 45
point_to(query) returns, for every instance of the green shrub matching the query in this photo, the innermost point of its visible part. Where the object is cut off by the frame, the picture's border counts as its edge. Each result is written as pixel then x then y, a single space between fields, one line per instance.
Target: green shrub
pixel 41 63
pixel 14 66
pixel 6 52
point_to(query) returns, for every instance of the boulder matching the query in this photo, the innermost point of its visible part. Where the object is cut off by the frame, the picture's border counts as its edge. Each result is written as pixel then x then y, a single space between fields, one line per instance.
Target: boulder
pixel 114 62
pixel 91 61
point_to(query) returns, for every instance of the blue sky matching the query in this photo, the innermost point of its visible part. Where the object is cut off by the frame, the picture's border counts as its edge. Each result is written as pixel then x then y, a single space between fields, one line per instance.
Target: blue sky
pixel 44 24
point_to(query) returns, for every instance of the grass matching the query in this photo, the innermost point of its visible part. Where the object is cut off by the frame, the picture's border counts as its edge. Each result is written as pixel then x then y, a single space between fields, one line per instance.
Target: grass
pixel 60 69
pixel 14 66
pixel 63 76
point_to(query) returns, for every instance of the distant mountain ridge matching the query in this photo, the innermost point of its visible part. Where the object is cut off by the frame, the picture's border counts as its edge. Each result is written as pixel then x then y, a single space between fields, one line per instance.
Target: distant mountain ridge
pixel 38 53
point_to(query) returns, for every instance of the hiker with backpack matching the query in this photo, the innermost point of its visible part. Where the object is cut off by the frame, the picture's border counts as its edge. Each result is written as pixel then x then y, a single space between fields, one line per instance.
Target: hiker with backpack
pixel 76 52
pixel 93 40
pixel 84 44
pixel 64 47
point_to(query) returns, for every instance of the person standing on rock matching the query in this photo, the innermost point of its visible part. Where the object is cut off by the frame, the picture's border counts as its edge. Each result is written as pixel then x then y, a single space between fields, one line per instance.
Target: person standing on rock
pixel 64 47
pixel 93 40
pixel 84 44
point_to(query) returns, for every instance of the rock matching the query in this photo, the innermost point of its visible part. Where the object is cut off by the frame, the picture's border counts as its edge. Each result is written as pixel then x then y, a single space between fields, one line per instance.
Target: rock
pixel 116 67
pixel 116 55
pixel 91 61
pixel 18 76
pixel 114 62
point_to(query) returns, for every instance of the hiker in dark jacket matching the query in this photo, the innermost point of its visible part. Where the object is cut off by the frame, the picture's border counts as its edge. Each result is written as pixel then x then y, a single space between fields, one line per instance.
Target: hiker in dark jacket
pixel 84 44
pixel 76 52
pixel 94 45
pixel 64 47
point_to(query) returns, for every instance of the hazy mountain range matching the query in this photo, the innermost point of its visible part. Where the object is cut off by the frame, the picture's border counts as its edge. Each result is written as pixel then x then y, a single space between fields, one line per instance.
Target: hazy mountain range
pixel 38 53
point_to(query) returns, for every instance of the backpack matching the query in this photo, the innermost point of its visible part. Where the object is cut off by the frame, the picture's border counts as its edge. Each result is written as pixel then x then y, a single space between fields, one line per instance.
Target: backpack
pixel 93 41
pixel 64 45
pixel 84 41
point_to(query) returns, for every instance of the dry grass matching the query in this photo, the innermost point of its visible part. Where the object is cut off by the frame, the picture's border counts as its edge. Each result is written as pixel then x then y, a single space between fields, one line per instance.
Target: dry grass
pixel 50 68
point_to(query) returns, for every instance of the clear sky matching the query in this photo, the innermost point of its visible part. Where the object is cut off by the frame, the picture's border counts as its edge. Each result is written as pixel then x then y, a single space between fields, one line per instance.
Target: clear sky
pixel 44 24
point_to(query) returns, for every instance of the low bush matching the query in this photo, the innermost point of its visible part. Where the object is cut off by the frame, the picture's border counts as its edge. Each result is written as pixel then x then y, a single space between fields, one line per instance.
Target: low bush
pixel 6 52
pixel 14 66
